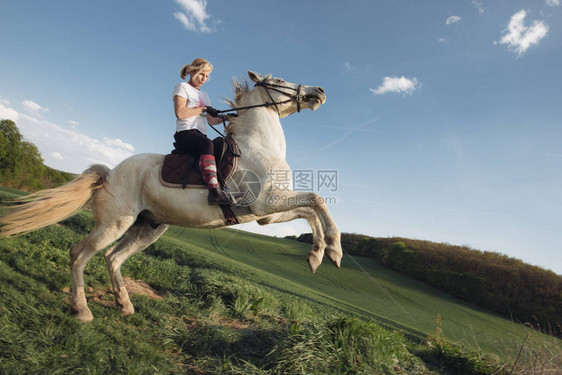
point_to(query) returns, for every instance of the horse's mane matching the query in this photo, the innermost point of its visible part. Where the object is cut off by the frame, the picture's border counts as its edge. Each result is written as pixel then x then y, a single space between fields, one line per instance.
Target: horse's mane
pixel 240 90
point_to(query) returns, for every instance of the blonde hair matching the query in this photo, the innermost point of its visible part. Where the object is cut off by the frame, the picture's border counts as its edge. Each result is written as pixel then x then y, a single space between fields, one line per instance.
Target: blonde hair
pixel 198 65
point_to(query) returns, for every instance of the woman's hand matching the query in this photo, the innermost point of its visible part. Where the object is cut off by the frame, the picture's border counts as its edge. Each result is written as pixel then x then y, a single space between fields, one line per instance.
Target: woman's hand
pixel 211 111
pixel 213 118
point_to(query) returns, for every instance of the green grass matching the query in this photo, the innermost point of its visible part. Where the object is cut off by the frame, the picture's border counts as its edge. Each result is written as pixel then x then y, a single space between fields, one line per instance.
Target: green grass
pixel 240 303
pixel 209 321
pixel 362 287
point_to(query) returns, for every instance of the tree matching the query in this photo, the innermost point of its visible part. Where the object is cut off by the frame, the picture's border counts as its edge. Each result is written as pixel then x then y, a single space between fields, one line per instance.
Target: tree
pixel 11 147
pixel 21 164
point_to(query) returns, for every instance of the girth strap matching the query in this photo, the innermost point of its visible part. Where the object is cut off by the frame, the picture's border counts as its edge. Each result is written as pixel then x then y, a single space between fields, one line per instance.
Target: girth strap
pixel 229 216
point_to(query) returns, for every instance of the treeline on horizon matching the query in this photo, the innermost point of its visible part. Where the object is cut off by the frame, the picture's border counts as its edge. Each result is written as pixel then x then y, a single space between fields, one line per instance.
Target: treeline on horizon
pixel 21 164
pixel 519 291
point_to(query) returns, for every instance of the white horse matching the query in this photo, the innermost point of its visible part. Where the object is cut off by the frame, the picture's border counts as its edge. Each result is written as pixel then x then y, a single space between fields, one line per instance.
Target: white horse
pixel 131 201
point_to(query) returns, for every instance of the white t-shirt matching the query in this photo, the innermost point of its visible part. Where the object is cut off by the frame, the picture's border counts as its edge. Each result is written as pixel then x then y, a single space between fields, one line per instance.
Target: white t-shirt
pixel 195 98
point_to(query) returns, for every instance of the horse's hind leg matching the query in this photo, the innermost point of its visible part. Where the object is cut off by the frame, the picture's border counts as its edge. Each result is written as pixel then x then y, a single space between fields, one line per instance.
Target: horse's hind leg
pixel 98 239
pixel 138 238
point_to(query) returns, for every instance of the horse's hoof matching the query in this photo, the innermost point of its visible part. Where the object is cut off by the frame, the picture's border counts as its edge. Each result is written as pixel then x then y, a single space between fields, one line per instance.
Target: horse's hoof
pixel 313 261
pixel 335 254
pixel 127 310
pixel 84 316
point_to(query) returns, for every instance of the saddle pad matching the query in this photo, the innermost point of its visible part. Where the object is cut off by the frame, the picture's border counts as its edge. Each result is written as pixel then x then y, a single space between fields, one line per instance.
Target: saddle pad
pixel 182 170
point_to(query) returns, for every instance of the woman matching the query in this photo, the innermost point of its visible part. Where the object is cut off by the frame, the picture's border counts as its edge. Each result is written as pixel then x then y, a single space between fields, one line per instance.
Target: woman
pixel 192 107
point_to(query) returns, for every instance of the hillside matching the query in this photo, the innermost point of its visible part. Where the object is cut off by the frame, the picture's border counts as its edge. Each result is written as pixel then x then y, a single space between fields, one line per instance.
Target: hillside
pixel 507 286
pixel 228 301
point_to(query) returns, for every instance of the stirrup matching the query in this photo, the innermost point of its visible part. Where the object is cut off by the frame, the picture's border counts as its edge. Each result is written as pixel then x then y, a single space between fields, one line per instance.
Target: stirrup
pixel 219 196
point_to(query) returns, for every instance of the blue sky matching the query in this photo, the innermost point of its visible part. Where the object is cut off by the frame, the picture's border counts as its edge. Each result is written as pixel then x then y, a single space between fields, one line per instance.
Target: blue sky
pixel 442 120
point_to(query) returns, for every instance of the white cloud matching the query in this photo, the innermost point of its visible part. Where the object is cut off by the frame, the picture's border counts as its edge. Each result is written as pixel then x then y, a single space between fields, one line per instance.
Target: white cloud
pixel 442 40
pixel 553 3
pixel 33 108
pixel 185 21
pixel 194 16
pixel 479 6
pixel 67 149
pixel 519 37
pixel 72 122
pixel 453 19
pixel 7 113
pixel 57 155
pixel 117 143
pixel 398 85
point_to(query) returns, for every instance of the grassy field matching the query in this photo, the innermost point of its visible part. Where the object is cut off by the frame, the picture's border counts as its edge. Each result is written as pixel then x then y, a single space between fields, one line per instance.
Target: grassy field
pixel 228 301
pixel 362 287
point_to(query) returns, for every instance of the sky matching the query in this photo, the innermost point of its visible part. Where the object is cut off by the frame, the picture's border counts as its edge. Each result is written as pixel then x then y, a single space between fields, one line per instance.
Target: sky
pixel 442 120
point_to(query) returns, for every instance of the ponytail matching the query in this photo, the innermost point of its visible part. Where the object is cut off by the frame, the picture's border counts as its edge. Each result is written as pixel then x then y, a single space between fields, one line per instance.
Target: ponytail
pixel 195 67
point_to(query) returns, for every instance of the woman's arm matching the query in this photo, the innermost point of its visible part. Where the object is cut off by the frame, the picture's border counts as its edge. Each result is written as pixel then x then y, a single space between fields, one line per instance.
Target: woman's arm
pixel 182 111
pixel 214 120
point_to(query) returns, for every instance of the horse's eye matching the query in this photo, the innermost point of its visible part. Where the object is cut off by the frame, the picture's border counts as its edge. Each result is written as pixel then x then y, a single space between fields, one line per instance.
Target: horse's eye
pixel 279 80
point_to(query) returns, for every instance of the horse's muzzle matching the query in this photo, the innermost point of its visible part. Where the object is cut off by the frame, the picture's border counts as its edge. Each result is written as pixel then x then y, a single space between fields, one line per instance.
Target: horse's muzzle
pixel 317 97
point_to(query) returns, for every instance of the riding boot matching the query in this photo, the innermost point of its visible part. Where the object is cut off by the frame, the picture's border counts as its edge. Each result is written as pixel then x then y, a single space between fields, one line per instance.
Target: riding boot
pixel 208 168
pixel 219 196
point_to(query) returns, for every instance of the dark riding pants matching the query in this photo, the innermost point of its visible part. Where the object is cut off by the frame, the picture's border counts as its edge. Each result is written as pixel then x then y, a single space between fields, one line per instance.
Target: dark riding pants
pixel 193 142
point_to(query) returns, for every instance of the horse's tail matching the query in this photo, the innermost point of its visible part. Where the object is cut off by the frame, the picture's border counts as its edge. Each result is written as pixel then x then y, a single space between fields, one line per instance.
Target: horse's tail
pixel 50 206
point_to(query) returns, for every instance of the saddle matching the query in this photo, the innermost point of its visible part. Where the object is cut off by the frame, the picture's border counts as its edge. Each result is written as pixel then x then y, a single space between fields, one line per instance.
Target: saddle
pixel 181 170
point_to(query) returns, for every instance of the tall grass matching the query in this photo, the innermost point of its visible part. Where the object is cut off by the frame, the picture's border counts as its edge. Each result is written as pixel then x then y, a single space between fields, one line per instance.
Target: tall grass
pixel 343 345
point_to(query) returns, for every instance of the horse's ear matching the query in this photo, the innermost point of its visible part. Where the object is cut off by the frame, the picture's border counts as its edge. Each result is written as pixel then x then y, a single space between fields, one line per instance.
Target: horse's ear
pixel 256 77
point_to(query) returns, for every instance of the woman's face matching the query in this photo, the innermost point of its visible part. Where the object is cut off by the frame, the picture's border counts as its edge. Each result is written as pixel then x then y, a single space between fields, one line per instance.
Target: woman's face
pixel 200 78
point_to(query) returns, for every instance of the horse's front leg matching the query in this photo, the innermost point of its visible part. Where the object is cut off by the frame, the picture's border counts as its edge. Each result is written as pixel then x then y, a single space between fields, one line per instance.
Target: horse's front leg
pixel 282 201
pixel 315 256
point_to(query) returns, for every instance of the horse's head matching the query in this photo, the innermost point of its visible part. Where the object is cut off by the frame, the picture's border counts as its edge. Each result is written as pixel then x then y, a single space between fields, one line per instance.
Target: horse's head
pixel 286 97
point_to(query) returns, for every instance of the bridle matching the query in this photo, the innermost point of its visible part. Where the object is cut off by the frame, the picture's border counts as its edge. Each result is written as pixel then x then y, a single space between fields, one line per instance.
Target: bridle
pixel 298 97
